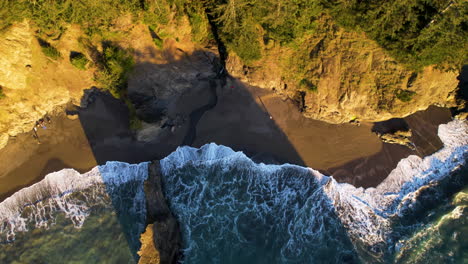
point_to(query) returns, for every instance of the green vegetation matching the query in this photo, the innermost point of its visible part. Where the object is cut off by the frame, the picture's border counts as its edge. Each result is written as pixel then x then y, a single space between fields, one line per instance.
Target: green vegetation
pixel 135 122
pixel 155 12
pixel 415 32
pixel 79 60
pixel 2 94
pixel 405 95
pixel 116 65
pixel 12 12
pixel 157 40
pixel 53 16
pixel 242 24
pixel 308 85
pixel 49 50
pixel 199 22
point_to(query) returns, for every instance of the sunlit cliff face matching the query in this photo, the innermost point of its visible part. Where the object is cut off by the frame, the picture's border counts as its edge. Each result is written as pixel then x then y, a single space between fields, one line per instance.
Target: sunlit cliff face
pixel 351 75
pixel 34 84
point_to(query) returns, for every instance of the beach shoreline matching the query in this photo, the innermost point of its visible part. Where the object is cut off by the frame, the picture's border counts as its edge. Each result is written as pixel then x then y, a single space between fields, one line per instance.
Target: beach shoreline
pixel 239 120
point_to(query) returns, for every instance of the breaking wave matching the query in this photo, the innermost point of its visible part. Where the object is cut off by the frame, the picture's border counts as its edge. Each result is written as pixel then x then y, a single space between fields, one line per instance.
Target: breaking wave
pixel 116 187
pixel 233 210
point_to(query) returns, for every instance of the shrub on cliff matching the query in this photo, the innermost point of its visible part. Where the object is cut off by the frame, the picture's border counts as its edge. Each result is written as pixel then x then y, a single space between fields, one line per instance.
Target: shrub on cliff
pixel 404 95
pixel 2 95
pixel 79 60
pixel 417 33
pixel 52 16
pixel 116 65
pixel 49 50
pixel 308 85
pixel 12 12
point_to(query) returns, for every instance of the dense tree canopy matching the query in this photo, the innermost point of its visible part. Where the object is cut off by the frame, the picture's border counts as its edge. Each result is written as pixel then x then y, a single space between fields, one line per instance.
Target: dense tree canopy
pixel 415 32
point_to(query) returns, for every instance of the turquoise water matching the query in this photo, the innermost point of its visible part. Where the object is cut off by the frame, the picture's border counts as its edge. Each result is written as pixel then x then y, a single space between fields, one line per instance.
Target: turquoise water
pixel 100 240
pixel 443 239
pixel 96 217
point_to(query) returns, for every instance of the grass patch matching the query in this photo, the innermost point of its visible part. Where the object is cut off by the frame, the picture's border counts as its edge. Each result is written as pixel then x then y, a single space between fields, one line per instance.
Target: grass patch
pixel 79 60
pixel 308 85
pixel 405 95
pixel 157 40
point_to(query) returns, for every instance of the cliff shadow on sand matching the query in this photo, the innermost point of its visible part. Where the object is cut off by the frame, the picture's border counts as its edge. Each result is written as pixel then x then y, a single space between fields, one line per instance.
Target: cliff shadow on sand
pixel 169 102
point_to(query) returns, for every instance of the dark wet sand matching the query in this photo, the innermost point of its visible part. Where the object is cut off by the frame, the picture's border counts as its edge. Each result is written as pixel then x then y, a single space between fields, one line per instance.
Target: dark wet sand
pixel 288 136
pixel 241 120
pixel 369 171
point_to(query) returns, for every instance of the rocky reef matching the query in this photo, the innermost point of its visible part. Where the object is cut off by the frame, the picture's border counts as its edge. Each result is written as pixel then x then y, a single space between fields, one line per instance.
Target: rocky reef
pixel 399 137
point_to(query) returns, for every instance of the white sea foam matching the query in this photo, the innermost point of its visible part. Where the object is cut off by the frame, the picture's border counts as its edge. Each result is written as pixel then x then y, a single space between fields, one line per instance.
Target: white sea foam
pixel 366 214
pixel 371 209
pixel 302 201
pixel 37 205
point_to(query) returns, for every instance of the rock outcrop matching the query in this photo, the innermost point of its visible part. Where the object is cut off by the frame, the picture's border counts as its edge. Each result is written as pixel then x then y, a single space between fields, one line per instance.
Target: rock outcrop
pixel 34 84
pixel 333 74
pixel 400 137
pixel 338 76
pixel 148 252
pixel 16 56
pixel 162 240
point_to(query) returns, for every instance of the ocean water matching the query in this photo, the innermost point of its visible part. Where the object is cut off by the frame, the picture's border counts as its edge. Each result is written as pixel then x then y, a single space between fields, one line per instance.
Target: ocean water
pixel 96 217
pixel 232 210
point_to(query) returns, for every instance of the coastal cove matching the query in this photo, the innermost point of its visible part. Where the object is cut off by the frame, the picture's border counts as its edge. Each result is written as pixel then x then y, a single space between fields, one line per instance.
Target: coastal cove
pixel 233 132
pixel 240 120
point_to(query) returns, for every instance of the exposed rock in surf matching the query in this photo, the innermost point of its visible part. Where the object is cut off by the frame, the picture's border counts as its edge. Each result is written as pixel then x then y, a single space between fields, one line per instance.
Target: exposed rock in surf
pixel 462 116
pixel 148 252
pixel 166 239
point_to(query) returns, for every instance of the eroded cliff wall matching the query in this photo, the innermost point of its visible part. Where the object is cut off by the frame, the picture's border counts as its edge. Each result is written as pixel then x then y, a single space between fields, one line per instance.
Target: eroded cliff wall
pixel 33 84
pixel 338 76
pixel 333 74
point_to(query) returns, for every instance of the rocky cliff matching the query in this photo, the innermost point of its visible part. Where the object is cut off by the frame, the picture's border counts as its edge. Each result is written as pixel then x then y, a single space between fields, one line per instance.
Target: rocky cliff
pixel 34 84
pixel 339 76
pixel 333 74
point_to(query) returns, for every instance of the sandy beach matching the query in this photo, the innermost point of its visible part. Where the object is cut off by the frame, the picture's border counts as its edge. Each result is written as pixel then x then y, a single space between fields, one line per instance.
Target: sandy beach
pixel 258 122
pixel 24 161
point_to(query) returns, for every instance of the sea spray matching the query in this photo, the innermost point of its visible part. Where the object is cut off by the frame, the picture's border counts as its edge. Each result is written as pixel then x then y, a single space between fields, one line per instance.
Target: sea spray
pixel 232 209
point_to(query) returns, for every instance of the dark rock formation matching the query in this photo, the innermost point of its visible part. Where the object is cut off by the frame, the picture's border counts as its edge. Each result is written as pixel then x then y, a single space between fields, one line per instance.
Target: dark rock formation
pixel 165 229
